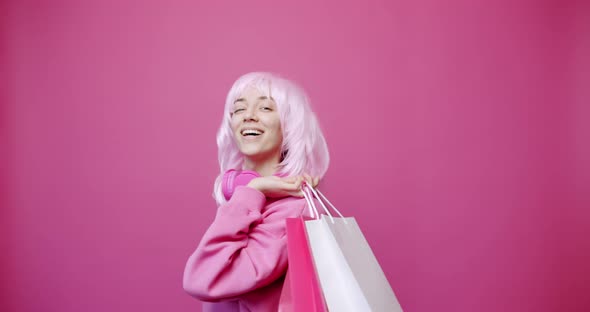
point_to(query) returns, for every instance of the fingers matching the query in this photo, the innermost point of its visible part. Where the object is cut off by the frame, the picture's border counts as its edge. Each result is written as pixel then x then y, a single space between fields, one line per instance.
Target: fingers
pixel 293 185
pixel 291 179
pixel 308 179
pixel 277 187
pixel 294 188
pixel 312 181
pixel 299 183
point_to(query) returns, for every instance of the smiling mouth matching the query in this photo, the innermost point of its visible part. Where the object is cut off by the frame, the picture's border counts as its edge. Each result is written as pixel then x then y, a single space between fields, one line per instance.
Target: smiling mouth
pixel 251 132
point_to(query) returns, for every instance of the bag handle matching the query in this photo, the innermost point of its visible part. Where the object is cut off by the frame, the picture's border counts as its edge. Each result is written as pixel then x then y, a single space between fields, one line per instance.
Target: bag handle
pixel 313 211
pixel 321 198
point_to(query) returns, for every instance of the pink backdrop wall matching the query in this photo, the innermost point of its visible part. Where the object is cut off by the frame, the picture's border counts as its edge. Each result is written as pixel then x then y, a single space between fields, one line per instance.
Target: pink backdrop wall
pixel 458 133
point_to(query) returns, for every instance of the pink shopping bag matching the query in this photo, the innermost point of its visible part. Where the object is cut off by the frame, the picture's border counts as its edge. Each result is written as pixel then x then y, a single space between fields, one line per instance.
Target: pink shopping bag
pixel 301 291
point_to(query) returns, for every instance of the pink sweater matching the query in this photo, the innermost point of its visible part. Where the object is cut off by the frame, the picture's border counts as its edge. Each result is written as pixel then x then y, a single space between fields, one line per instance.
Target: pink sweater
pixel 240 263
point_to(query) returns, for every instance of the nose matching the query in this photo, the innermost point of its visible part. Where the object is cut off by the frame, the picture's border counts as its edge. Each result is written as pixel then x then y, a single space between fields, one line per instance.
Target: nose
pixel 250 114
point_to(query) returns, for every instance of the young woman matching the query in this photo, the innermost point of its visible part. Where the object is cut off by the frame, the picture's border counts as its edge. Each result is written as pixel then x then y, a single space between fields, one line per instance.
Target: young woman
pixel 270 143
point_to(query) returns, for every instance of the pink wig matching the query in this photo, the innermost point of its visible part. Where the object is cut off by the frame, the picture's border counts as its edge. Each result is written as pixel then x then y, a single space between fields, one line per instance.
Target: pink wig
pixel 304 147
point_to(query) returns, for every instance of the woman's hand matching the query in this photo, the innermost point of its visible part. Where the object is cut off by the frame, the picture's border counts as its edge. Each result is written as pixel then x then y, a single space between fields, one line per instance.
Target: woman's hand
pixel 276 187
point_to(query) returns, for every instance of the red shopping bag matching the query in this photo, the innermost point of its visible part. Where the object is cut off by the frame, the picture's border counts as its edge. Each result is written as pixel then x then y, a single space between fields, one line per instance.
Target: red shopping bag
pixel 301 291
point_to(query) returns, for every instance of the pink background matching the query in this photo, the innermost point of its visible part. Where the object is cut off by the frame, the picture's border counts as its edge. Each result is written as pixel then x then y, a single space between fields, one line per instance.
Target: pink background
pixel 458 130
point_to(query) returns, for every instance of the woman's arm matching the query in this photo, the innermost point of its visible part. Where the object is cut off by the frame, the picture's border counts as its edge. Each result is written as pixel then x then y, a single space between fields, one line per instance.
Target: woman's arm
pixel 243 249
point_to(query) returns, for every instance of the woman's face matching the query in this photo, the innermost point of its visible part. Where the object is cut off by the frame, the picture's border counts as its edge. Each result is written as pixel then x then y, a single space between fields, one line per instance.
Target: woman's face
pixel 256 125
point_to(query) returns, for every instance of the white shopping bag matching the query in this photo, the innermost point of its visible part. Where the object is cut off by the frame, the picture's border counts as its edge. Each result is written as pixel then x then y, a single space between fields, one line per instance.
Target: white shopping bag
pixel 350 275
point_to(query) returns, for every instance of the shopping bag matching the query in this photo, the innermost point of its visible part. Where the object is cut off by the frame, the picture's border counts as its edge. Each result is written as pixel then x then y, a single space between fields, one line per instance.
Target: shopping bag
pixel 286 299
pixel 350 276
pixel 301 290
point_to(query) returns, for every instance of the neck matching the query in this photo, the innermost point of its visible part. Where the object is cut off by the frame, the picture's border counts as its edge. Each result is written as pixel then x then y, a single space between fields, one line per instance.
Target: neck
pixel 264 167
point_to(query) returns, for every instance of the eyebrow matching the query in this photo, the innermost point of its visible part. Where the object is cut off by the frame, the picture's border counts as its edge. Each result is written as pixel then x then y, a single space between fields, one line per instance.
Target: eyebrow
pixel 263 97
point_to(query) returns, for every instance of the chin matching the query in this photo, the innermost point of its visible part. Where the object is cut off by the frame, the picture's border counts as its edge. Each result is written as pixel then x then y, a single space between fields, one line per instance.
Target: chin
pixel 251 152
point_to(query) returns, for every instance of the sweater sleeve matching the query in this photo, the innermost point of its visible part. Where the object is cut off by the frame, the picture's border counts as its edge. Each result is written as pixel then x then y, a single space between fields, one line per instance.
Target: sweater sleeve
pixel 243 249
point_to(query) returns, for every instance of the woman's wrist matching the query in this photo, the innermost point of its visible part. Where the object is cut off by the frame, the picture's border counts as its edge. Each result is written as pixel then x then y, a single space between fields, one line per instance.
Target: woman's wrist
pixel 255 184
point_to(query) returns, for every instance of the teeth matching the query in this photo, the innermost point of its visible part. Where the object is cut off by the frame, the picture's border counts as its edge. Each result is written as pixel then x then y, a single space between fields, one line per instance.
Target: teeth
pixel 251 132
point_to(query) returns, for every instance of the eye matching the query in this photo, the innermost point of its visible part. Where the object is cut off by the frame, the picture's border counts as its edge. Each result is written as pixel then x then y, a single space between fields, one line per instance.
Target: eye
pixel 237 110
pixel 266 109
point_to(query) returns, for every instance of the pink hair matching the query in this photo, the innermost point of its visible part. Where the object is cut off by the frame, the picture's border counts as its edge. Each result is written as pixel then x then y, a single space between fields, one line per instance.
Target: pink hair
pixel 304 147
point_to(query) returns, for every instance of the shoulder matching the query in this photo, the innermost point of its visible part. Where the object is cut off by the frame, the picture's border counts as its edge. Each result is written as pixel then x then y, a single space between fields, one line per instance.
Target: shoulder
pixel 288 207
